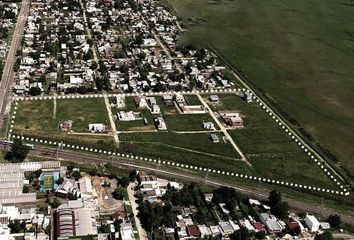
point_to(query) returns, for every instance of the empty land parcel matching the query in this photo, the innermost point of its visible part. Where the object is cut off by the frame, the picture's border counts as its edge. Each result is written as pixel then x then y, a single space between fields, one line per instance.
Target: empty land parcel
pixel 270 151
pixel 299 52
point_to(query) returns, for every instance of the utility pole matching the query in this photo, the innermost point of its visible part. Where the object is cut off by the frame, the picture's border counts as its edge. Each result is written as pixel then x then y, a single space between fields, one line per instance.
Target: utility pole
pixel 60 147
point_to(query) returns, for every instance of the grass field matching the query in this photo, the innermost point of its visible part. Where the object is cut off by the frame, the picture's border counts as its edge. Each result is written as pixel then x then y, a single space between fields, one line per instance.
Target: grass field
pixel 37 119
pixel 269 150
pixel 299 52
pixel 267 147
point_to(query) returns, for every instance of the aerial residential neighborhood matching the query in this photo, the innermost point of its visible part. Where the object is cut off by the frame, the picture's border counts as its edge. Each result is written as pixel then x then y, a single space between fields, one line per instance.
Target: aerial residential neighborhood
pixel 121 120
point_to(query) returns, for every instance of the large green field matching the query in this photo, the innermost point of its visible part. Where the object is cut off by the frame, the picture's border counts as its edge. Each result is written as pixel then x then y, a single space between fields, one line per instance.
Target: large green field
pixel 270 151
pixel 300 53
pixel 41 119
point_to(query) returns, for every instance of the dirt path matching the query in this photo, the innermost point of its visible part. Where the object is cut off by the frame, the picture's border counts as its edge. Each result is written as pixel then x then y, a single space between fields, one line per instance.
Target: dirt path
pixel 111 120
pixel 134 205
pixel 54 108
pixel 223 129
pixel 190 150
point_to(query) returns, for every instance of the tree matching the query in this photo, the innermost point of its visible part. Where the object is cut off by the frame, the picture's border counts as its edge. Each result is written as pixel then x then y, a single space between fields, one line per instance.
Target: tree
pixel 133 175
pixel 281 210
pixel 324 236
pixel 94 65
pixel 119 193
pixel 105 228
pixel 16 226
pixel 241 234
pixel 60 181
pixel 123 182
pixel 18 152
pixel 82 90
pixel 260 235
pixel 25 189
pixel 35 91
pixel 274 198
pixel 55 203
pixel 334 220
pixel 76 175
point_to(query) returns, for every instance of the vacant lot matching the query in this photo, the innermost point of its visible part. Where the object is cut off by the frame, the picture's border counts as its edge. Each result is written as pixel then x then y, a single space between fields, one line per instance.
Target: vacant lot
pixel 42 119
pixel 194 149
pixel 299 52
pixel 267 147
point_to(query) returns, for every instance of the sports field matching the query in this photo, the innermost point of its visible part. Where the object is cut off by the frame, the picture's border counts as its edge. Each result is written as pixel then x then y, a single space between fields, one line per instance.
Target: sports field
pixel 298 52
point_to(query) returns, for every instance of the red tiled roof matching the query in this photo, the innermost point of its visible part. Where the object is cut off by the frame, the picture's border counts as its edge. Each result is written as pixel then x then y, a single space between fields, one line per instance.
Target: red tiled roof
pixel 293 225
pixel 258 226
pixel 193 230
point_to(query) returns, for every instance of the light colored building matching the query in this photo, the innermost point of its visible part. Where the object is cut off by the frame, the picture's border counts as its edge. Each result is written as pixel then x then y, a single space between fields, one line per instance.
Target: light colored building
pixel 126 231
pixel 160 124
pixel 312 223
pixel 120 101
pixel 97 127
pixel 76 218
pixel 271 223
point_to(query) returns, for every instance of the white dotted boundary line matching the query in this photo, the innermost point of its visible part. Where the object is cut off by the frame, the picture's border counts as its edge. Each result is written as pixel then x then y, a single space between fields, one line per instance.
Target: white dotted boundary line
pixel 308 151
pixel 230 90
pixel 181 165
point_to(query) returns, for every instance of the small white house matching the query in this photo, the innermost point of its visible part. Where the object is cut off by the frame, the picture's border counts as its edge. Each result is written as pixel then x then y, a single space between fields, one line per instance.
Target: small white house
pixel 155 109
pixel 312 223
pixel 97 127
pixel 120 102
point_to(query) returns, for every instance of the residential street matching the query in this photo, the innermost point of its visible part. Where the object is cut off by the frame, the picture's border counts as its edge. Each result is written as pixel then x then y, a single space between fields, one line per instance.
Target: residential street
pixel 8 76
pixel 132 199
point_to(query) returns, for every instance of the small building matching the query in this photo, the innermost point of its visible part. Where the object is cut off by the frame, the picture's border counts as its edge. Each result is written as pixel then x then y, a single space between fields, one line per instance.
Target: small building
pixel 204 231
pixel 66 126
pixel 271 223
pixel 232 119
pixel 120 102
pixel 151 101
pixel 168 100
pixel 215 231
pixel 325 225
pixel 193 231
pixel 128 116
pixel 247 96
pixel 312 223
pixel 155 109
pixel 214 98
pixel 227 228
pixel 126 231
pixel 160 124
pixel 140 102
pixel 97 128
pixel 214 138
pixel 208 126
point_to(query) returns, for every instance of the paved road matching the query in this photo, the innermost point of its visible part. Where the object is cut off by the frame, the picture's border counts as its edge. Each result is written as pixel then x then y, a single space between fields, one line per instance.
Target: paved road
pixel 8 75
pixel 134 205
pixel 175 174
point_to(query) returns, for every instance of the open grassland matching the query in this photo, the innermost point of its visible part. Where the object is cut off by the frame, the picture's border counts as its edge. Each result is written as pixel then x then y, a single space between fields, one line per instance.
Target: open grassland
pixel 269 150
pixel 194 149
pixel 298 53
pixel 267 147
pixel 40 119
